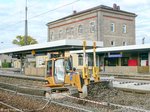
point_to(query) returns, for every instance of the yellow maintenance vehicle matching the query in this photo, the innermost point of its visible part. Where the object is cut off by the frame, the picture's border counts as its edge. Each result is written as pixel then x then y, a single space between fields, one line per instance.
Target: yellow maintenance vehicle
pixel 61 76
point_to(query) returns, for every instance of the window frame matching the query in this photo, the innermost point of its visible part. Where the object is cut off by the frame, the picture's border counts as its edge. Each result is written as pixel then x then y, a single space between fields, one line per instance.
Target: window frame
pixel 60 33
pixel 67 31
pixel 124 28
pixel 72 30
pixel 51 36
pixel 112 27
pixel 112 43
pixel 80 29
pixel 124 43
pixel 92 26
pixel 80 60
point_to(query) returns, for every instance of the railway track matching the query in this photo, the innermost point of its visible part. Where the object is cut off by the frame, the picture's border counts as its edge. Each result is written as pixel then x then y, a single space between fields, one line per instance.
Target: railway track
pixel 67 103
pixel 74 103
pixel 61 102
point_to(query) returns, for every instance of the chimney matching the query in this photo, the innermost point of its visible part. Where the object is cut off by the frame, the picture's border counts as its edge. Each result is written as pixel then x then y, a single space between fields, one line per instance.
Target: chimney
pixel 115 7
pixel 118 7
pixel 74 12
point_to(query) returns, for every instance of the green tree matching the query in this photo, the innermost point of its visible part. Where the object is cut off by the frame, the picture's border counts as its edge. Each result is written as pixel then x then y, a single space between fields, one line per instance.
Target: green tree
pixel 20 40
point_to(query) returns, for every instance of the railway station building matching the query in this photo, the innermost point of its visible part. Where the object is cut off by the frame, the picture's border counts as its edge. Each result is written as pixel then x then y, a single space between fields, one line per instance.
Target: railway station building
pixel 111 25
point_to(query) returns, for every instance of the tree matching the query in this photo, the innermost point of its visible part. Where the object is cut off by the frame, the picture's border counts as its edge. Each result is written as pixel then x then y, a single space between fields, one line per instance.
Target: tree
pixel 20 40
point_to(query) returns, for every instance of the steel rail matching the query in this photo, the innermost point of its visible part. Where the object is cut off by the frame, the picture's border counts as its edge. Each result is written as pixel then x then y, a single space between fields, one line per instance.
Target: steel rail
pixel 111 104
pixel 12 107
pixel 48 101
pixel 35 96
pixel 70 106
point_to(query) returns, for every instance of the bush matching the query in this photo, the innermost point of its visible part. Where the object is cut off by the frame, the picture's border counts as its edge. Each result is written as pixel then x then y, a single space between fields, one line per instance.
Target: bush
pixel 6 65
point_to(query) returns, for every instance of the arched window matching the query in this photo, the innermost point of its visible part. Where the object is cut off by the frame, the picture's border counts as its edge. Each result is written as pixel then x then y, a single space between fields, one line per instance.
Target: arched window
pixel 112 27
pixel 80 29
pixel 124 28
pixel 92 26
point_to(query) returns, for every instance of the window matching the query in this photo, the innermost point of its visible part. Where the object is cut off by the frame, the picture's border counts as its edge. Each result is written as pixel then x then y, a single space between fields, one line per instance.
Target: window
pixel 51 36
pixel 68 31
pixel 80 60
pixel 124 43
pixel 59 70
pixel 124 61
pixel 72 31
pixel 112 27
pixel 49 69
pixel 80 29
pixel 90 60
pixel 124 29
pixel 92 27
pixel 112 43
pixel 111 61
pixel 60 34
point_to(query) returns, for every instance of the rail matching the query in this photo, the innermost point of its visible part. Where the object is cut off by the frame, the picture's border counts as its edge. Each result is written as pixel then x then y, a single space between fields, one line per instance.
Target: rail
pixel 110 104
pixel 49 100
pixel 11 107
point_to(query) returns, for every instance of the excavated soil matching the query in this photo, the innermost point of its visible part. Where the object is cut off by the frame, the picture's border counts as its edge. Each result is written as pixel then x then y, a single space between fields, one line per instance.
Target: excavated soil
pixel 100 92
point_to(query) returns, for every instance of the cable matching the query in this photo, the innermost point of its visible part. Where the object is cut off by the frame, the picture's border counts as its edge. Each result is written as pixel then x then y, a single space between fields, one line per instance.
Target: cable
pixel 40 14
pixel 12 24
pixel 54 9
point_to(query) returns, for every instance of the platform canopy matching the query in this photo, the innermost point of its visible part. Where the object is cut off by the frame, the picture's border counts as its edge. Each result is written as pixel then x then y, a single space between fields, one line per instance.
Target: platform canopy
pixel 60 45
pixel 129 48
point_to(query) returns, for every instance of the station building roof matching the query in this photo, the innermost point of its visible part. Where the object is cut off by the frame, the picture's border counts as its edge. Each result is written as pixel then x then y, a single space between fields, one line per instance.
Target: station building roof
pixel 59 45
pixel 129 48
pixel 100 7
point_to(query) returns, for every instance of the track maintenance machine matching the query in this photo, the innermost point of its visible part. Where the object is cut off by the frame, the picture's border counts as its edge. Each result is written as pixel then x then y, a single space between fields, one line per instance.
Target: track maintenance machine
pixel 62 77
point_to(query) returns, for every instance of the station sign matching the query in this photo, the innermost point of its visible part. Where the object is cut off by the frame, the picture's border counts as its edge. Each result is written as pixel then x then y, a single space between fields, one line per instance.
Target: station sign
pixel 114 55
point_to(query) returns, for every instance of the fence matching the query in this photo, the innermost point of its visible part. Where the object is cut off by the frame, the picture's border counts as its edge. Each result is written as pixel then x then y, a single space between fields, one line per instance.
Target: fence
pixel 35 71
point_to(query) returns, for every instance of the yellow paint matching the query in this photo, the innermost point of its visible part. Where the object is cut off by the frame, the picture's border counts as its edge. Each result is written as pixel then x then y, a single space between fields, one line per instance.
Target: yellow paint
pixel 33 52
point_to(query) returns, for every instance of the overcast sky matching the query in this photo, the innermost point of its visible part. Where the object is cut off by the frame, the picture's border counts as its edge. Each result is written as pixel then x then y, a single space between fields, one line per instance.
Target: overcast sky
pixel 41 12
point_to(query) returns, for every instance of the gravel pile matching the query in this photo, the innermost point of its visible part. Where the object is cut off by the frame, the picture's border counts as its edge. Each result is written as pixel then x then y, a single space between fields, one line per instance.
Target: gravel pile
pixel 111 95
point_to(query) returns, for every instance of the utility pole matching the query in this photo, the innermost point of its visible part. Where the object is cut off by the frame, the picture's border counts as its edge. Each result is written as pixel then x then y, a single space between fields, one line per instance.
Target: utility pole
pixel 143 40
pixel 26 24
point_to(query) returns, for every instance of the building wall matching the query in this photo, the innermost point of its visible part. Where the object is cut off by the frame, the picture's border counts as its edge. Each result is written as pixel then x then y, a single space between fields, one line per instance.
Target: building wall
pixel 17 64
pixel 6 58
pixel 40 61
pixel 70 27
pixel 118 36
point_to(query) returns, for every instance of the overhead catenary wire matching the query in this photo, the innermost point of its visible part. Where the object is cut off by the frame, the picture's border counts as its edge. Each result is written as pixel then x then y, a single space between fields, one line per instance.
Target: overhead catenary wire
pixel 15 23
pixel 44 13
pixel 54 9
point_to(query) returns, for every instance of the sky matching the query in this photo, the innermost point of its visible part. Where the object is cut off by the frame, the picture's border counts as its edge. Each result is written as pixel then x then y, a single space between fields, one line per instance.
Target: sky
pixel 40 12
